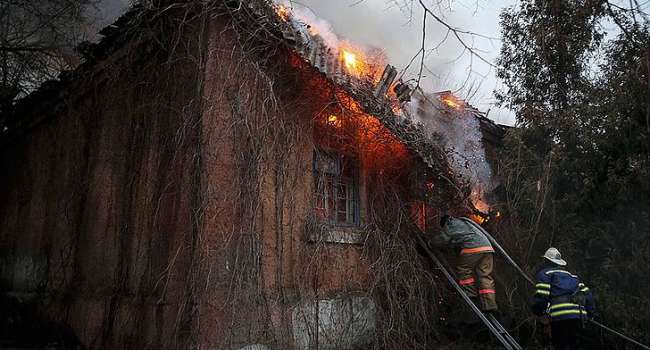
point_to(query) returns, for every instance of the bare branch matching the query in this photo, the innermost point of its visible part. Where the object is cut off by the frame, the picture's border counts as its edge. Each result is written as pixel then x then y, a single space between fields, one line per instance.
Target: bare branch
pixel 457 33
pixel 422 49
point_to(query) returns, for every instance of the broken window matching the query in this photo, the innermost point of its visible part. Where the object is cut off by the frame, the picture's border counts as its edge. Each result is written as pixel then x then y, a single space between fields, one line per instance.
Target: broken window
pixel 337 188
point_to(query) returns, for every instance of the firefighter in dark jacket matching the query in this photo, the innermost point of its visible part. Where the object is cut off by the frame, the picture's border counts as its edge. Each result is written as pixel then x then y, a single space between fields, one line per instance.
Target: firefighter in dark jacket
pixel 475 261
pixel 560 296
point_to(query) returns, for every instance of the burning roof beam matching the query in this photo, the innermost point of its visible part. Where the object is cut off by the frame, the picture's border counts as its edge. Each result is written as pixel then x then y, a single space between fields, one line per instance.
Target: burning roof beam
pixel 387 78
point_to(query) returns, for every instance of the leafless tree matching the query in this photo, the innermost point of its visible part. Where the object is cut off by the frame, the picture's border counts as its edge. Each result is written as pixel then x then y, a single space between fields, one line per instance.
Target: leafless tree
pixel 36 42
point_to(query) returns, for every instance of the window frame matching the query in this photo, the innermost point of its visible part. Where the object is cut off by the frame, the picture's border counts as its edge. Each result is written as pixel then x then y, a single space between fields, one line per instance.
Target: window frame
pixel 341 162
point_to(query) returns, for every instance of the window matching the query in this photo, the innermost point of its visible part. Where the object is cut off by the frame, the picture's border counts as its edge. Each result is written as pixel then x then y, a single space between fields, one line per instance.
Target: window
pixel 337 188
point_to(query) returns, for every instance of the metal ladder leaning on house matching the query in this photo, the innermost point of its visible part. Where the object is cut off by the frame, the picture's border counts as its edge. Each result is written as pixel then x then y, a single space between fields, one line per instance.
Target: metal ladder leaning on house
pixel 489 320
pixel 530 280
pixel 493 325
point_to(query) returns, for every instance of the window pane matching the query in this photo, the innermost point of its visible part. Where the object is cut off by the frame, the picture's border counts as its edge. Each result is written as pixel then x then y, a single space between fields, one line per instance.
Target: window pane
pixel 351 207
pixel 327 164
pixel 330 204
pixel 337 193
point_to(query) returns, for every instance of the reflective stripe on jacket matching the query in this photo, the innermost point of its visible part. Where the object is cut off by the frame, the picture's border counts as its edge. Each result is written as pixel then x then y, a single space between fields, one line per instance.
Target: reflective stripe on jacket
pixel 461 234
pixel 555 295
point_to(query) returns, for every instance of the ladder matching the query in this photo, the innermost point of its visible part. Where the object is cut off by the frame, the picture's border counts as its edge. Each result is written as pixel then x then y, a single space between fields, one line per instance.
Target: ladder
pixel 530 280
pixel 489 320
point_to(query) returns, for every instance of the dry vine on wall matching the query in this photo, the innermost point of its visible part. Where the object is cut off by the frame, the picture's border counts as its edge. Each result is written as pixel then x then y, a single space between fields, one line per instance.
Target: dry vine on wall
pixel 193 217
pixel 279 108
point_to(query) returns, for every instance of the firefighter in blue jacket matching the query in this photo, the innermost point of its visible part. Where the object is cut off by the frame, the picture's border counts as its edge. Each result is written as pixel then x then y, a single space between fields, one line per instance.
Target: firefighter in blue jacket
pixel 560 296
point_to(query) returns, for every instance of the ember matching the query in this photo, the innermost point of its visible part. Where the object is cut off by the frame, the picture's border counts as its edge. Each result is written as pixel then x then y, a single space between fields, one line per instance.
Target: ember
pixel 333 120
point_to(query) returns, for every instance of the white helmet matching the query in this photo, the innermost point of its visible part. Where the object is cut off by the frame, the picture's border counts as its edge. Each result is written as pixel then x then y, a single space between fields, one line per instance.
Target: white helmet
pixel 553 255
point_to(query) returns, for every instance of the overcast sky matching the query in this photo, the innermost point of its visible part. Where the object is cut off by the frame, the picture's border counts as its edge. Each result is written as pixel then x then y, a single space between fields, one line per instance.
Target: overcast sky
pixel 396 27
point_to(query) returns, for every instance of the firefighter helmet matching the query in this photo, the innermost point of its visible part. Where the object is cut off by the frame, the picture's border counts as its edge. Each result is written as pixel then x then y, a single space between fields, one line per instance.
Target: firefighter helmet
pixel 553 255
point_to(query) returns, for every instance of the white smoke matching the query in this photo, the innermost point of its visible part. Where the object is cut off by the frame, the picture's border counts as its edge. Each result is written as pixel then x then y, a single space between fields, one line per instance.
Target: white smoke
pixel 458 132
pixel 317 25
pixel 310 25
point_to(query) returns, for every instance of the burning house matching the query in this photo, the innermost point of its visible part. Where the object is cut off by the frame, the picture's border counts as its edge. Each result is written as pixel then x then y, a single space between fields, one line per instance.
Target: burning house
pixel 218 175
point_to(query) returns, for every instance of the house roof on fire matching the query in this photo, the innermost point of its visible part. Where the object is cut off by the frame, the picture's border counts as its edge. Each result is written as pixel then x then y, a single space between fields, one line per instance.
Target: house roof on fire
pixel 313 49
pixel 263 18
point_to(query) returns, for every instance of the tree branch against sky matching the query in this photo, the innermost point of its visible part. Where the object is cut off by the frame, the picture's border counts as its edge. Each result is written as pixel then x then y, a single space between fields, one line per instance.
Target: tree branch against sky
pixel 454 50
pixel 440 44
pixel 622 13
pixel 37 38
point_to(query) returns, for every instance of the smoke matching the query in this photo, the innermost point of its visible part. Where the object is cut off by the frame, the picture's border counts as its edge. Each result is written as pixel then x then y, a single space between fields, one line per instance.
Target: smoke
pixel 395 26
pixel 372 23
pixel 317 26
pixel 459 132
pixel 367 60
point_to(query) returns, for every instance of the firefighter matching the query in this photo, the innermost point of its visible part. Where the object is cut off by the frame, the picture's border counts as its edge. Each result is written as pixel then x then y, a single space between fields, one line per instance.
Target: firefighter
pixel 562 299
pixel 475 259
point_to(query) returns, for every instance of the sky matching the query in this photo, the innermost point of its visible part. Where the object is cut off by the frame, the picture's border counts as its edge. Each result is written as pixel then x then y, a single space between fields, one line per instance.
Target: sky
pixel 395 26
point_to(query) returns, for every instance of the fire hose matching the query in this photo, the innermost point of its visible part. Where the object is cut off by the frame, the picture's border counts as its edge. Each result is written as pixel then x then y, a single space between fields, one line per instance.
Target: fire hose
pixel 530 280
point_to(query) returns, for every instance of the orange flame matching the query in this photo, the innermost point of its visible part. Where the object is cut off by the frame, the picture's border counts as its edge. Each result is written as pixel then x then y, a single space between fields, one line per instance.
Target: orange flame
pixel 477 218
pixel 283 12
pixel 350 60
pixel 356 60
pixel 333 120
pixel 358 63
pixel 452 102
pixel 353 60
